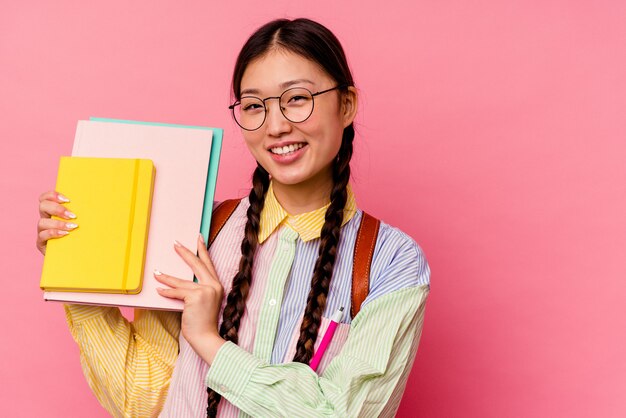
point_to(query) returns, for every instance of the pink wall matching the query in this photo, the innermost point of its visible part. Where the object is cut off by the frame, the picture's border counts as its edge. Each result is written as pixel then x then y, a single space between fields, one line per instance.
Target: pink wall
pixel 494 133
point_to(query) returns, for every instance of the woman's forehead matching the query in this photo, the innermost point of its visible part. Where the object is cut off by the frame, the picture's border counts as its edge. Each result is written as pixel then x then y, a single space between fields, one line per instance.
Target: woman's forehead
pixel 280 69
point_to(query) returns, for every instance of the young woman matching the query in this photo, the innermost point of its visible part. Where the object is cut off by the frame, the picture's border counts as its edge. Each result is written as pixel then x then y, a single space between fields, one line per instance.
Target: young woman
pixel 283 259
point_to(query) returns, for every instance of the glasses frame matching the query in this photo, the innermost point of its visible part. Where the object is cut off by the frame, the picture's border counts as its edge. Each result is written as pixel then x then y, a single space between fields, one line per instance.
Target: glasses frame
pixel 238 102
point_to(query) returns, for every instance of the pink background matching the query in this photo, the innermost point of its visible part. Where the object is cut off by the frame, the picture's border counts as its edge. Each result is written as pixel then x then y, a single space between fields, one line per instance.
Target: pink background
pixel 493 133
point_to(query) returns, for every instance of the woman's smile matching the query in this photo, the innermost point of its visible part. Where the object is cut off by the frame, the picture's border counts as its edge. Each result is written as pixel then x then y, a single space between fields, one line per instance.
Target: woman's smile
pixel 282 149
pixel 288 153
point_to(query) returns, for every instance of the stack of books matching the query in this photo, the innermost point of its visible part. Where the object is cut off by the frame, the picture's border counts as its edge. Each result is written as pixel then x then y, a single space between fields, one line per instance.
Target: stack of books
pixel 135 188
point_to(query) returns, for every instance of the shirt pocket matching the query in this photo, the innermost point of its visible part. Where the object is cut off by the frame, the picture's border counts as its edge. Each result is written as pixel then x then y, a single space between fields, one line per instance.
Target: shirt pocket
pixel 334 348
pixel 336 344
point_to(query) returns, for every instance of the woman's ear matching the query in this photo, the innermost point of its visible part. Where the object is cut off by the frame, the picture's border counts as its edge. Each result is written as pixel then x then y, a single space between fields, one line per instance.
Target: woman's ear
pixel 349 105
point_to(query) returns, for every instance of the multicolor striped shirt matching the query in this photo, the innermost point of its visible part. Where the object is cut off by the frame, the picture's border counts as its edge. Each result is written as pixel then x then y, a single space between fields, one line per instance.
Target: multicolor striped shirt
pixel 146 367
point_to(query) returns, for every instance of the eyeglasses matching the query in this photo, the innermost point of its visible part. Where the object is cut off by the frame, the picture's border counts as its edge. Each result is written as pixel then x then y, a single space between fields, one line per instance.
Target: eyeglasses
pixel 296 104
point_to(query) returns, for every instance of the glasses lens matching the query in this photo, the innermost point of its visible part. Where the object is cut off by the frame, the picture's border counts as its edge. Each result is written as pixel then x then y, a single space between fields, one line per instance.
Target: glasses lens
pixel 296 104
pixel 250 114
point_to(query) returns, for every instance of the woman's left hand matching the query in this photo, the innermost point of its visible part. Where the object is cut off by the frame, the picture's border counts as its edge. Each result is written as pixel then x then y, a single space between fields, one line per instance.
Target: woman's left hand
pixel 202 300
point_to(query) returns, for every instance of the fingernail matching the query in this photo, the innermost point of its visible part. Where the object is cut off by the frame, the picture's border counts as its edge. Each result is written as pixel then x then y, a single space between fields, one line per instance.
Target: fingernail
pixel 157 272
pixel 70 214
pixel 62 198
pixel 63 232
pixel 71 226
pixel 178 244
pixel 201 239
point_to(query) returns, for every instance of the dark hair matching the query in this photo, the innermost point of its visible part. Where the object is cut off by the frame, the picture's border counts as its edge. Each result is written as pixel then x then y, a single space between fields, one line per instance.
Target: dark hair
pixel 318 44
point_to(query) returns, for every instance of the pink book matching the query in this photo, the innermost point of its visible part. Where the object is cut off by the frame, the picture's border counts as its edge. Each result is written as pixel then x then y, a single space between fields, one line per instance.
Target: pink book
pixel 181 158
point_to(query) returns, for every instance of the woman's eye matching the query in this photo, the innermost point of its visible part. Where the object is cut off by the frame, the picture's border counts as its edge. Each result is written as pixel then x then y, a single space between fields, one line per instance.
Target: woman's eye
pixel 297 98
pixel 252 107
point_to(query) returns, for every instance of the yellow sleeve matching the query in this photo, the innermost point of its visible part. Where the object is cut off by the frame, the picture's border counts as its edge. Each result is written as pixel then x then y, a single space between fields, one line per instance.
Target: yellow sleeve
pixel 128 365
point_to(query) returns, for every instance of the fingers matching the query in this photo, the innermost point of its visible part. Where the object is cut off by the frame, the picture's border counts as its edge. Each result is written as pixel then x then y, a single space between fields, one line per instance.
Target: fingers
pixel 203 253
pixel 48 223
pixel 184 289
pixel 190 294
pixel 173 293
pixel 53 195
pixel 174 282
pixel 50 203
pixel 190 258
pixel 54 207
pixel 49 229
pixel 48 234
pixel 199 267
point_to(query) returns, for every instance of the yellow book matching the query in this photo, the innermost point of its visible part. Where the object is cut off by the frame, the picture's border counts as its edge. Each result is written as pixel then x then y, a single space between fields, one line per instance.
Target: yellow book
pixel 112 199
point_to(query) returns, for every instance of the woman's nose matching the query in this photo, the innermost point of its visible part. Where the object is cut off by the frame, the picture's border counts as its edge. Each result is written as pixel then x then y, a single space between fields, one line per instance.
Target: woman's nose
pixel 276 122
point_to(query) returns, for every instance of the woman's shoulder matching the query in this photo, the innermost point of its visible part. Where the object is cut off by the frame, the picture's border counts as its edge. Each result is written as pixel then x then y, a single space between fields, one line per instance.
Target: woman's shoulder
pixel 398 262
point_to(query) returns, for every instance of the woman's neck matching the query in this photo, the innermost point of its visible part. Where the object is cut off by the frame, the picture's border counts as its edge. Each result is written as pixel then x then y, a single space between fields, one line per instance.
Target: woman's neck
pixel 303 197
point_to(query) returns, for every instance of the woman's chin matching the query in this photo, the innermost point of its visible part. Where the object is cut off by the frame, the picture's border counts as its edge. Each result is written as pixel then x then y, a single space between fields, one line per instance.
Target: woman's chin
pixel 288 180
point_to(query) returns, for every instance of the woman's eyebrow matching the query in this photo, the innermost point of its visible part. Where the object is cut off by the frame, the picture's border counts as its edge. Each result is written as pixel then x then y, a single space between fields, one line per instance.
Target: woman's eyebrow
pixel 249 91
pixel 297 81
pixel 282 86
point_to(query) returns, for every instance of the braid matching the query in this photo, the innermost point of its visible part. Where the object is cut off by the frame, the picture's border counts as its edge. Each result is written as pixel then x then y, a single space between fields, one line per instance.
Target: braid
pixel 236 300
pixel 329 240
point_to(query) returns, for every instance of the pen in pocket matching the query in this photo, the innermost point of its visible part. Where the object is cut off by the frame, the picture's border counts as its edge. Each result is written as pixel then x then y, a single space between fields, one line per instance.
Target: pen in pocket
pixel 328 336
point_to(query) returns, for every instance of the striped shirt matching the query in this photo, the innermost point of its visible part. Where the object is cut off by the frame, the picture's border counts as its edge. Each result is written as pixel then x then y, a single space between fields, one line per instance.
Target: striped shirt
pixel 135 368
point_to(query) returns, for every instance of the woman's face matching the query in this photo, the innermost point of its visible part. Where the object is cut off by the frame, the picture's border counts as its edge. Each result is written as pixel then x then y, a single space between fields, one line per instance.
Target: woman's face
pixel 315 141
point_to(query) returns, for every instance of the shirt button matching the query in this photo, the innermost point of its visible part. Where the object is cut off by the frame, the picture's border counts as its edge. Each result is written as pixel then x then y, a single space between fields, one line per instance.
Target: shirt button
pixel 272 302
pixel 223 388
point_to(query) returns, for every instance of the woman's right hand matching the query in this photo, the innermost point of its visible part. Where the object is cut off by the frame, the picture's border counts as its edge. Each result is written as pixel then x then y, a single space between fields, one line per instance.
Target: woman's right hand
pixel 51 203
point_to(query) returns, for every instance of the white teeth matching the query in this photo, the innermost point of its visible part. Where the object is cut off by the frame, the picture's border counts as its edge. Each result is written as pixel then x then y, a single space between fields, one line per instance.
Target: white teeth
pixel 287 149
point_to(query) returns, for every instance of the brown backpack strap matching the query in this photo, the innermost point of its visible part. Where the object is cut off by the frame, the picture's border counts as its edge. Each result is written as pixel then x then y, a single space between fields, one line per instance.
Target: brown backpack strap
pixel 363 252
pixel 221 214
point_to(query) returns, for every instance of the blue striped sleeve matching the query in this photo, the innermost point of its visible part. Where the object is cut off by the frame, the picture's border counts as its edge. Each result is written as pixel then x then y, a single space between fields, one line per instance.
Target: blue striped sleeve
pixel 398 263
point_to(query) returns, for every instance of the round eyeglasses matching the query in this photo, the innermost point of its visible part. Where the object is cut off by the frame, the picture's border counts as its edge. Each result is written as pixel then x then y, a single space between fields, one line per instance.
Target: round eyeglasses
pixel 296 104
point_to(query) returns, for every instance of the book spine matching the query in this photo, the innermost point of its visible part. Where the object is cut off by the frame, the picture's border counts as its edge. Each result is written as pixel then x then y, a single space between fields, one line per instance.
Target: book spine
pixel 209 194
pixel 131 221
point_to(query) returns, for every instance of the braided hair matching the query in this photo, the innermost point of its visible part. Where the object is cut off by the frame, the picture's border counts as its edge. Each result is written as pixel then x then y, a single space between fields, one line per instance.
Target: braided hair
pixel 236 300
pixel 318 44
